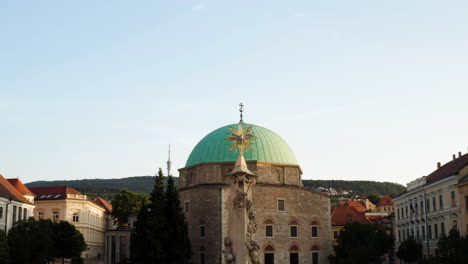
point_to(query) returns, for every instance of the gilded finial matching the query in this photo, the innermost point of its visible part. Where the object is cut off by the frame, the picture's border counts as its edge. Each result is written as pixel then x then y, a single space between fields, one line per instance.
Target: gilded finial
pixel 240 138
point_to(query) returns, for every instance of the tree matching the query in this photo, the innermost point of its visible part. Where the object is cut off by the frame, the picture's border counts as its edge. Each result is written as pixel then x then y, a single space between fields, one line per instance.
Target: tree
pixel 125 204
pixel 4 254
pixel 452 248
pixel 374 198
pixel 151 227
pixel 31 242
pixel 161 234
pixel 410 250
pixel 68 242
pixel 361 243
pixel 178 246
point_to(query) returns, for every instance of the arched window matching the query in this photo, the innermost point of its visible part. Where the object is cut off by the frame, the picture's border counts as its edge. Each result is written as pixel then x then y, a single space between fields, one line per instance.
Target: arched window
pixel 76 217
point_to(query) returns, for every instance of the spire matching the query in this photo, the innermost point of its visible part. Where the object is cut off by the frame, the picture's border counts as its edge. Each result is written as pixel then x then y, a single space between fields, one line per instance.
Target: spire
pixel 241 109
pixel 169 163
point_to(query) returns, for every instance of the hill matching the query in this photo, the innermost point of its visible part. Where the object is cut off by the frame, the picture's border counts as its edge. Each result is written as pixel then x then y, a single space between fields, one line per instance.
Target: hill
pixel 361 188
pixel 106 188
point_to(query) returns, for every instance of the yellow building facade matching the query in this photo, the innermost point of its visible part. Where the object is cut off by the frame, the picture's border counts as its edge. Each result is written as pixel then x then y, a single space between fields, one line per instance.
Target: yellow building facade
pixel 61 203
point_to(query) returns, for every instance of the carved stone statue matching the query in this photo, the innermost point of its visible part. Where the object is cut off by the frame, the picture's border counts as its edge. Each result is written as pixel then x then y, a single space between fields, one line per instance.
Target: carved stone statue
pixel 254 249
pixel 239 200
pixel 228 254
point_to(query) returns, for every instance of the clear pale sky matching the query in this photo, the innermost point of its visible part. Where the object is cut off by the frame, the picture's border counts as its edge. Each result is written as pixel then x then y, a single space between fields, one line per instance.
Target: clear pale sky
pixel 361 90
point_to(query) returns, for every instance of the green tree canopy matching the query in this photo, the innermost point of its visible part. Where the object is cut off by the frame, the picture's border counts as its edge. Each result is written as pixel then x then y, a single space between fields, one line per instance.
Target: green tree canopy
pixel 31 242
pixel 160 234
pixel 68 242
pixel 374 198
pixel 125 204
pixel 452 248
pixel 361 244
pixel 410 250
pixel 4 250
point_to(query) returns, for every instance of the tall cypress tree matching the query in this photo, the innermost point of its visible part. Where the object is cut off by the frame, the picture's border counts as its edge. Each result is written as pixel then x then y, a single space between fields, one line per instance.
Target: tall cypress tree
pixel 178 246
pixel 151 231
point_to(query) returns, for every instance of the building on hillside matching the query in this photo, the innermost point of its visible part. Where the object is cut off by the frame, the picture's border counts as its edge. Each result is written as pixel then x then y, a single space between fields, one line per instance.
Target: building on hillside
pixel 385 205
pixel 16 202
pixel 91 218
pixel 431 205
pixel 292 223
pixel 341 215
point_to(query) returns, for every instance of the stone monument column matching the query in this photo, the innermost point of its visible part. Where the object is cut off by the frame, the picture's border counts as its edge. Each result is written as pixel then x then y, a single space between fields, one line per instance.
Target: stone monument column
pixel 239 244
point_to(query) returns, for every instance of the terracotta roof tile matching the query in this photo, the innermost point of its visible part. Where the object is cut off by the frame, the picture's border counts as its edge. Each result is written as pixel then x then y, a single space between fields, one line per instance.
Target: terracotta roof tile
pixel 103 203
pixel 9 191
pixel 53 192
pixel 342 215
pixel 450 168
pixel 20 186
pixel 356 204
pixel 386 201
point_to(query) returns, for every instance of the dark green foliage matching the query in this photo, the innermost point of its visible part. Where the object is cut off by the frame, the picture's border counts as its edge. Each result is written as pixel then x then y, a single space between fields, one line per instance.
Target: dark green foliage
pixel 374 198
pixel 178 246
pixel 452 249
pixel 68 241
pixel 410 250
pixel 38 242
pixel 361 244
pixel 143 185
pixel 125 204
pixel 160 234
pixel 4 250
pixel 361 188
pixel 31 242
pixel 100 187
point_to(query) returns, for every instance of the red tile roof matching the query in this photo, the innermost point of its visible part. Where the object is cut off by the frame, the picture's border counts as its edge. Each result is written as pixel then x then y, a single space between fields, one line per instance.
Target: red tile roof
pixel 360 207
pixel 450 168
pixel 20 186
pixel 386 201
pixel 9 191
pixel 342 215
pixel 53 192
pixel 103 203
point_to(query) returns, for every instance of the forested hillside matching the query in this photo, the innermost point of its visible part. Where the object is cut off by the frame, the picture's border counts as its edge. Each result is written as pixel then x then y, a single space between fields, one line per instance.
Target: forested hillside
pixel 361 188
pixel 106 188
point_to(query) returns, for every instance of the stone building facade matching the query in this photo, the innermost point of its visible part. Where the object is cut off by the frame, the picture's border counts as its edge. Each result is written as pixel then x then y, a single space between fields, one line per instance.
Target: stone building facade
pixel 431 206
pixel 293 224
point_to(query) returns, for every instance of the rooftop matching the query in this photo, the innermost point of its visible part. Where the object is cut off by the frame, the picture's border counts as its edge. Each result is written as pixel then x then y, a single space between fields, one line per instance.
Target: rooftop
pixel 103 203
pixel 7 190
pixel 450 168
pixel 53 192
pixel 347 214
pixel 20 186
pixel 267 145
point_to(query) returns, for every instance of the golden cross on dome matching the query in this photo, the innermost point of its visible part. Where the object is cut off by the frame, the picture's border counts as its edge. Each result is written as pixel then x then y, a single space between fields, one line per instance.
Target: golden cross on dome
pixel 240 138
pixel 241 109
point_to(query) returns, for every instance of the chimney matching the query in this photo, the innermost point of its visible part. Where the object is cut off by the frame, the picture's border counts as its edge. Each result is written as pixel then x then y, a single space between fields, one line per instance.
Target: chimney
pixel 459 154
pixel 438 165
pixel 454 157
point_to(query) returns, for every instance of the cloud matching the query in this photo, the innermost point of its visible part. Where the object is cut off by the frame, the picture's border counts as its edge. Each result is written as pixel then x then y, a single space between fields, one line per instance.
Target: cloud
pixel 198 7
pixel 295 13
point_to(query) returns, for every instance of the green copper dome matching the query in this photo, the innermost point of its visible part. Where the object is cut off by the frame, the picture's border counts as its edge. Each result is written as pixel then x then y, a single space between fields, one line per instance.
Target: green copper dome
pixel 267 146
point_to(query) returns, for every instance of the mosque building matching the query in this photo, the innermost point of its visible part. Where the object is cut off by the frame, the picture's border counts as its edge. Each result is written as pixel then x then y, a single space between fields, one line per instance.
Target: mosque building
pixel 288 224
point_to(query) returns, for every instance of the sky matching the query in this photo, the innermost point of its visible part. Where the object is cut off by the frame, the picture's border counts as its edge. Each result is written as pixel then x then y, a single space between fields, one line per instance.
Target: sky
pixel 360 90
